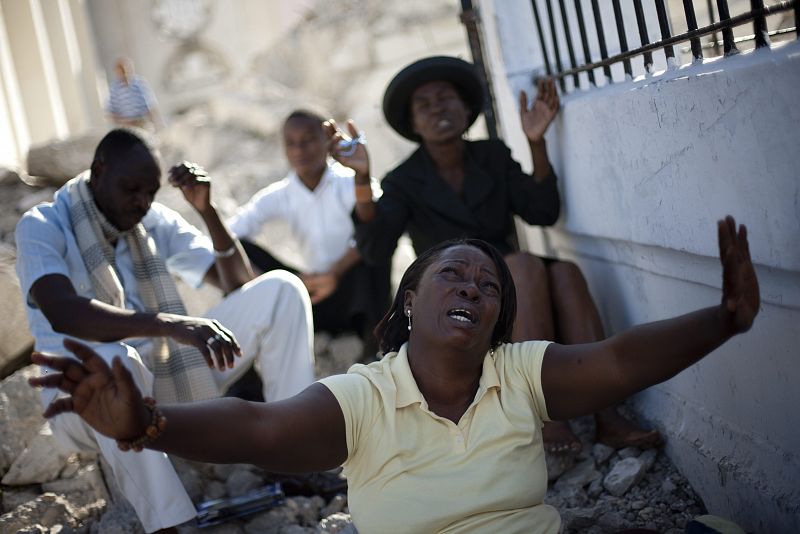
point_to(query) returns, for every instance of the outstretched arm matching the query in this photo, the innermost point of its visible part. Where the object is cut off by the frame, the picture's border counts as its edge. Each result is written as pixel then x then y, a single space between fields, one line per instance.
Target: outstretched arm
pixel 300 434
pixel 581 379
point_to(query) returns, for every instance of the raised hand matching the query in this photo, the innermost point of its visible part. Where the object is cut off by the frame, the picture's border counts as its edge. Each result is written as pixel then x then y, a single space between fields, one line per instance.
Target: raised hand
pixel 194 183
pixel 740 294
pixel 106 398
pixel 209 336
pixel 359 159
pixel 537 119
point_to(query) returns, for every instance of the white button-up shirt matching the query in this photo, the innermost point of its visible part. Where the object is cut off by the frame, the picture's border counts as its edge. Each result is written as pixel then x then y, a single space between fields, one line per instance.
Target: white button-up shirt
pixel 319 220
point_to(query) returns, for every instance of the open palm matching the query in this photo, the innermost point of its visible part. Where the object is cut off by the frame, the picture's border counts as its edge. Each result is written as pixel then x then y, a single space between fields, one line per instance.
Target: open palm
pixel 105 397
pixel 741 297
pixel 536 119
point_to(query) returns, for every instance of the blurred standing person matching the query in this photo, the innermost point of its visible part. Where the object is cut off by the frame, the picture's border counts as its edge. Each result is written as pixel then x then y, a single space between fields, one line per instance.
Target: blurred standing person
pixel 130 100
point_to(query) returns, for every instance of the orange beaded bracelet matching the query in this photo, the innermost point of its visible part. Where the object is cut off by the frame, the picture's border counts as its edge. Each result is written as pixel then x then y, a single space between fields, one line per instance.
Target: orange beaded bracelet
pixel 158 422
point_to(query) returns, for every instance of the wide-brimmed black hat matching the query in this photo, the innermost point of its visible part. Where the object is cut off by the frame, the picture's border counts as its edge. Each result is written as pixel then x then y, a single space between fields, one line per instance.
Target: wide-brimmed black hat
pixel 461 74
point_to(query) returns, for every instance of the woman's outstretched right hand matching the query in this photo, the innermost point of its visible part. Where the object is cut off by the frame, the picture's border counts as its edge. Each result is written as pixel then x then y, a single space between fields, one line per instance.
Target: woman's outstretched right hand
pixel 105 397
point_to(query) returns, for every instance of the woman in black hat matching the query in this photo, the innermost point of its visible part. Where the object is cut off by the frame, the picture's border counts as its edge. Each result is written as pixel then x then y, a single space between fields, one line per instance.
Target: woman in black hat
pixel 450 188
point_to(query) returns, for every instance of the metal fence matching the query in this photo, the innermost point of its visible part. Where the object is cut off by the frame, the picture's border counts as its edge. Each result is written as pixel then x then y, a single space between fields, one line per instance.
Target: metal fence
pixel 561 61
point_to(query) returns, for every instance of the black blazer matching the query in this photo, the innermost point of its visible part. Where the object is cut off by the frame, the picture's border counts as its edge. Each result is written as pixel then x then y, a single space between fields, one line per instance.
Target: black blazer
pixel 416 199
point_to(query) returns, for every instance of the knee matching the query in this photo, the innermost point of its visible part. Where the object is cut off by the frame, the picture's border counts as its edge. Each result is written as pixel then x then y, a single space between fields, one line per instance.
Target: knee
pixel 526 269
pixel 274 282
pixel 566 275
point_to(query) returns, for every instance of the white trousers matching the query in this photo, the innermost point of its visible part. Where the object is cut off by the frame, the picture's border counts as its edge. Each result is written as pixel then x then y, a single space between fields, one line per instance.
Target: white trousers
pixel 271 318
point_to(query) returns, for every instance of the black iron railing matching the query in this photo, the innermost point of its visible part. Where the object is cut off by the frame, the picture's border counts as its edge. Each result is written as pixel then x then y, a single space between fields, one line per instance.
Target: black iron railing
pixel 553 49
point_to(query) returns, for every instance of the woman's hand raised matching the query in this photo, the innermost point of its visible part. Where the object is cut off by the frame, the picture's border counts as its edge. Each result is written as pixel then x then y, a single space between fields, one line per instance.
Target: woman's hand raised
pixel 106 398
pixel 357 158
pixel 537 118
pixel 740 294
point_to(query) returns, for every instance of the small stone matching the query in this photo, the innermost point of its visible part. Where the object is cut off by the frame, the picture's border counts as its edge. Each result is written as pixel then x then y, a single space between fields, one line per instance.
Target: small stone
pixel 624 474
pixel 558 464
pixel 335 524
pixel 306 510
pixel 214 490
pixel 241 481
pixel 595 488
pixel 119 518
pixel 602 453
pixel 611 521
pixel 638 505
pixel 270 522
pixel 337 504
pixel 629 452
pixel 579 518
pixel 648 458
pixel 646 512
pixel 41 461
pixel 47 510
pixel 582 474
pixel 12 499
pixel 677 506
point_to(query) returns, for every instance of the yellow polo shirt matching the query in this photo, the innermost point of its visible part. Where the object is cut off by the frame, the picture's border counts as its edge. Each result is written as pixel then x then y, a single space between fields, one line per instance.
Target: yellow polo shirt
pixel 409 470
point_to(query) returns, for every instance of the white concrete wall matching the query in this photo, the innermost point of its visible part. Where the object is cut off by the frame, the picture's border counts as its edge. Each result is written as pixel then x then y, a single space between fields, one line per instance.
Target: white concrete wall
pixel 48 87
pixel 646 167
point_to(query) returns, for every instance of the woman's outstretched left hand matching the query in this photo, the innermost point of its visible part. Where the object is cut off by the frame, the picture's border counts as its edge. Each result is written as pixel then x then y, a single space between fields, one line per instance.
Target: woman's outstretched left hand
pixel 537 119
pixel 740 294
pixel 105 397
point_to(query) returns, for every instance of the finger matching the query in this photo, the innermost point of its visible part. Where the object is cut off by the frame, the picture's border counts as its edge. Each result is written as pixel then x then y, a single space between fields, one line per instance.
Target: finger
pixel 351 127
pixel 231 337
pixel 218 355
pixel 553 101
pixel 53 381
pixel 90 359
pixel 206 352
pixel 523 101
pixel 122 376
pixel 58 363
pixel 228 345
pixel 59 406
pixel 744 243
pixel 329 126
pixel 723 238
pixel 541 88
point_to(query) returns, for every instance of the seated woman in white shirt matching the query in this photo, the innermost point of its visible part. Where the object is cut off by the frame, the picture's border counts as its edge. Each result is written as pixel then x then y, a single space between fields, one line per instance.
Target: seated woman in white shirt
pixel 316 199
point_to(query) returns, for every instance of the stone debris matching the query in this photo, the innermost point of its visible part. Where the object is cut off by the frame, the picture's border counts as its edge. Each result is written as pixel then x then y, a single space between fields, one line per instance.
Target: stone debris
pixel 654 495
pixel 41 461
pixel 623 475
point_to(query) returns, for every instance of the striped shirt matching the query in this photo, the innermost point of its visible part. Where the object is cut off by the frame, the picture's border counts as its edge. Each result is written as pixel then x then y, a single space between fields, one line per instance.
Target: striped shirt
pixel 133 100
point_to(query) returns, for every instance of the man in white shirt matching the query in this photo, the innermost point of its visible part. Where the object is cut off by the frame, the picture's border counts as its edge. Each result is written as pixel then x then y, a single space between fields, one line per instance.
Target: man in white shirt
pixel 316 199
pixel 96 264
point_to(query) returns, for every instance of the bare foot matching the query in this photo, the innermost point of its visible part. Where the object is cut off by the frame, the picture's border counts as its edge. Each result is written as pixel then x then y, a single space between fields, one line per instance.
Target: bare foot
pixel 617 432
pixel 559 439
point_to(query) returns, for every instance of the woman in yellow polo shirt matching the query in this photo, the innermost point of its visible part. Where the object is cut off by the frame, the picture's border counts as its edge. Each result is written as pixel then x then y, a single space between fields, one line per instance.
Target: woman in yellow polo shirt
pixel 444 433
